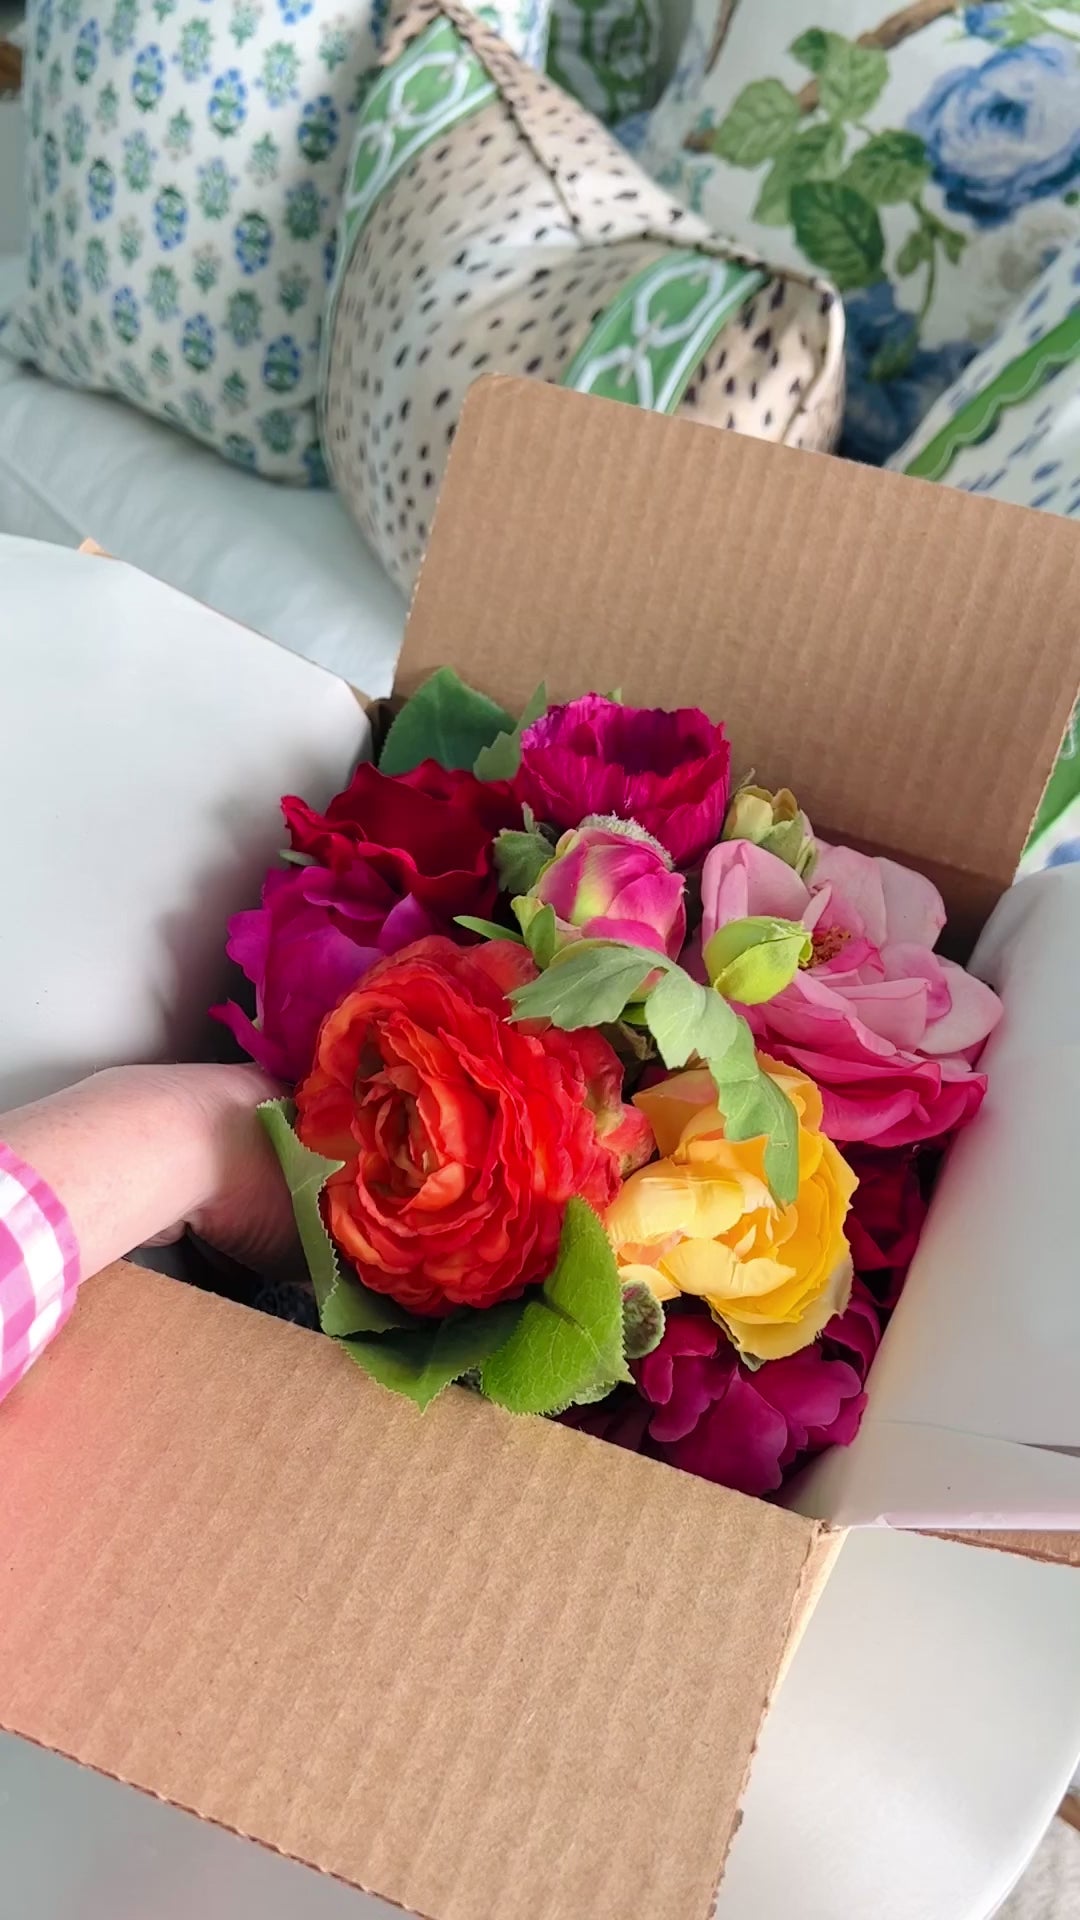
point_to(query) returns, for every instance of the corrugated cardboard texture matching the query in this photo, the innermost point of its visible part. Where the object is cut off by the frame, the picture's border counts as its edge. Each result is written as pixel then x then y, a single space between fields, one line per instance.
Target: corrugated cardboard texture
pixel 920 648
pixel 492 1669
pixel 1061 1548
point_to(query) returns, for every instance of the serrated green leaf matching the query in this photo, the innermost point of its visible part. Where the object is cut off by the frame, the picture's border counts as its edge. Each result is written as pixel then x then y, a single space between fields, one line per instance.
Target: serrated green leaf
pixel 839 231
pixel 520 858
pixel 345 1305
pixel 890 168
pixel 567 1348
pixel 686 1019
pixel 586 985
pixel 754 1107
pixel 914 252
pixel 811 49
pixel 753 960
pixel 501 760
pixel 850 78
pixel 762 119
pixel 643 1320
pixel 428 1355
pixel 489 929
pixel 445 721
pixel 817 154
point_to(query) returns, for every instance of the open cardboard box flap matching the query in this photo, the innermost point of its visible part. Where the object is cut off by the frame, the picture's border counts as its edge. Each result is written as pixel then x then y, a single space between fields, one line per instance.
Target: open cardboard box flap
pixel 449 1658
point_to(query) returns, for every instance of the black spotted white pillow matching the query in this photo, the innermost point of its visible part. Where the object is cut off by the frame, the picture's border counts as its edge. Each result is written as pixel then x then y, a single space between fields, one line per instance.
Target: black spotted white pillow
pixel 491 225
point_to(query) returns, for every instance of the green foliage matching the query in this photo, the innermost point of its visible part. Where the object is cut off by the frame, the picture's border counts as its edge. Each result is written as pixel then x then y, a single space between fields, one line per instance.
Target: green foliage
pixel 445 721
pixel 501 760
pixel 567 1347
pixel 817 154
pixel 890 168
pixel 839 231
pixel 761 121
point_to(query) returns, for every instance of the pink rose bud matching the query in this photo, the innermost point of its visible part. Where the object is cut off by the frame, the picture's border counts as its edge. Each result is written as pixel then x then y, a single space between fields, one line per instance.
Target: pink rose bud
pixel 610 880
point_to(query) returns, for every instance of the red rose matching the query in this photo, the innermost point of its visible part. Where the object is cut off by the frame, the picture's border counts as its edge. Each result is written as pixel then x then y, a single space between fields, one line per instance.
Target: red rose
pixel 429 833
pixel 463 1136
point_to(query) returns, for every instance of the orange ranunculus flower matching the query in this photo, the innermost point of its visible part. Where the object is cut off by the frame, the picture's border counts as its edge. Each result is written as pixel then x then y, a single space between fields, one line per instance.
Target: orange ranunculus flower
pixel 702 1221
pixel 463 1136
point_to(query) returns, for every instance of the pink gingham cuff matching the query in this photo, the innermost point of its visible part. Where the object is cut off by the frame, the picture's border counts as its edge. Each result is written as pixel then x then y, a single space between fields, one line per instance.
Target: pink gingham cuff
pixel 39 1267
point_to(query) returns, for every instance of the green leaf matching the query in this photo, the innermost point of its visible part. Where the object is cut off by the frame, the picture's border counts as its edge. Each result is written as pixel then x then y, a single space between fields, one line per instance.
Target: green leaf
pixel 345 1305
pixel 501 760
pixel 489 929
pixel 761 121
pixel 895 357
pixel 294 859
pixel 890 168
pixel 850 78
pixel 817 154
pixel 444 721
pixel 839 231
pixel 586 985
pixel 953 242
pixel 753 960
pixel 643 1320
pixel 915 252
pixel 754 1107
pixel 567 1348
pixel 428 1355
pixel 520 858
pixel 811 49
pixel 542 935
pixel 687 1019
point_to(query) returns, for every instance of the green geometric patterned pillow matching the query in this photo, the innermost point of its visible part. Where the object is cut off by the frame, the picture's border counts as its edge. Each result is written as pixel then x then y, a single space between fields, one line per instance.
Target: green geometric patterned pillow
pixel 559 259
pixel 184 173
pixel 607 54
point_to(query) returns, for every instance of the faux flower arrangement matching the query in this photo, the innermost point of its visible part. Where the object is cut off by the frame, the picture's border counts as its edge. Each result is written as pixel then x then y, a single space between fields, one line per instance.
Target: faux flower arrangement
pixel 617 1095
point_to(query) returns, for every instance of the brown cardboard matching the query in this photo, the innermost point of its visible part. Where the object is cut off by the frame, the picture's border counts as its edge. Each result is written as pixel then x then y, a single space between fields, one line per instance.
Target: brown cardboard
pixel 491 1669
pixel 487 1667
pixel 904 656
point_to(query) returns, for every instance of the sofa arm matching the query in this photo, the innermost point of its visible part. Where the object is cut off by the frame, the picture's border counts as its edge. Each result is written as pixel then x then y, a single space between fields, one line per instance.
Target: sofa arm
pixel 10 68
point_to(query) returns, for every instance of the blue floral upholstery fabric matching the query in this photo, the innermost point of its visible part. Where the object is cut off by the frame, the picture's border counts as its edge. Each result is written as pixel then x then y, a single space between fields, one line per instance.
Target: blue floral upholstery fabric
pixel 926 158
pixel 185 168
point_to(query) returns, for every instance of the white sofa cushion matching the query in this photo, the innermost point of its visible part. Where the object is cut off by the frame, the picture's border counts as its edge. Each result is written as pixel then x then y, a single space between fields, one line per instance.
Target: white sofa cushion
pixel 288 563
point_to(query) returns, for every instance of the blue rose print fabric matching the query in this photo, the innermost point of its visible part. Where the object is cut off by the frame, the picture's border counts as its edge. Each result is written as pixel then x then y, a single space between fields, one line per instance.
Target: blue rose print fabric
pixel 926 158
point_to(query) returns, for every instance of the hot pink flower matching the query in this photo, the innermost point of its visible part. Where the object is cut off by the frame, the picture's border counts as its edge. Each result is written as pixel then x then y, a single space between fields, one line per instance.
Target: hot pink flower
pixel 699 1408
pixel 608 883
pixel 314 936
pixel 886 1027
pixel 667 771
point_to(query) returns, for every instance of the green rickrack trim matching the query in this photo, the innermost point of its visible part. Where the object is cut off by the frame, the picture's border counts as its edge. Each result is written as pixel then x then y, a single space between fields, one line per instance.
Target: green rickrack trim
pixel 1016 382
pixel 648 343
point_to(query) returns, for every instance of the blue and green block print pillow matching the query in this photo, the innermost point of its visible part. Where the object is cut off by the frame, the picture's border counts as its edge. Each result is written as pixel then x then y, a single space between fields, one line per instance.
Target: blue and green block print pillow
pixel 925 157
pixel 184 176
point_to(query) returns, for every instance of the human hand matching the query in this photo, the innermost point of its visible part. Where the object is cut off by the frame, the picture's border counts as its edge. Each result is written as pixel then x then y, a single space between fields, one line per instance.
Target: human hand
pixel 137 1154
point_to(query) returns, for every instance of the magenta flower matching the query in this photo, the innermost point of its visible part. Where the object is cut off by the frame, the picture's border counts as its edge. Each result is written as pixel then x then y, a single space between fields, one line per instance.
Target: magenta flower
pixel 697 1407
pixel 886 1028
pixel 608 881
pixel 667 771
pixel 314 936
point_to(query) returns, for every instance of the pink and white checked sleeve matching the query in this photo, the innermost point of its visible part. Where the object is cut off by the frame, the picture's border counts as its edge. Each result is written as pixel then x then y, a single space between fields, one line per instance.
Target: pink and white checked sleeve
pixel 39 1267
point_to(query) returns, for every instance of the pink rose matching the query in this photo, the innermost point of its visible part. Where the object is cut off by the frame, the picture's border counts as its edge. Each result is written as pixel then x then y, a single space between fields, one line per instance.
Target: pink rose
pixel 667 771
pixel 608 881
pixel 887 1028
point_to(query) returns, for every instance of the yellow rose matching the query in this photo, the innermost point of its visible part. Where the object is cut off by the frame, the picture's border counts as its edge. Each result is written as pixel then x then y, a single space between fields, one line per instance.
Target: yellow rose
pixel 701 1220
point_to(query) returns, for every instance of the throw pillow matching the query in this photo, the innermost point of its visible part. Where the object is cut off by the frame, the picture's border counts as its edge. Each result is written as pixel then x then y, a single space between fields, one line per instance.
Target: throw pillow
pixel 185 163
pixel 1010 427
pixel 559 259
pixel 926 157
pixel 607 54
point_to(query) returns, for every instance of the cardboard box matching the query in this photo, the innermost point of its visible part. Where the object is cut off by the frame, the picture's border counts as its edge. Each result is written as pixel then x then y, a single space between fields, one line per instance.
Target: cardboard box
pixel 494 1669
